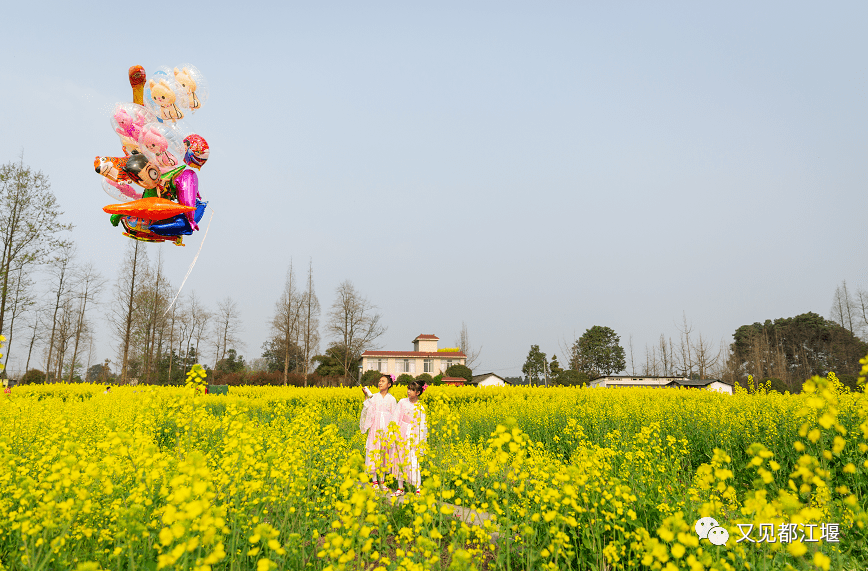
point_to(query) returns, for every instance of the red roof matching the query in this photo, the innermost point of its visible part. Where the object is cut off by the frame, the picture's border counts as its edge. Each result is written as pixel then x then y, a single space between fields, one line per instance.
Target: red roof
pixel 443 354
pixel 426 336
pixel 462 379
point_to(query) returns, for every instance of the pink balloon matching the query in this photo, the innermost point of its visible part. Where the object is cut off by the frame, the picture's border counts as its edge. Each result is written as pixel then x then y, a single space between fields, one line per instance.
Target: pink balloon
pixel 187 184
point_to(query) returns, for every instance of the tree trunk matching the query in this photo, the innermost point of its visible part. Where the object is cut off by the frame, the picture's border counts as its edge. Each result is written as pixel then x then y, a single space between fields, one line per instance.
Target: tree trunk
pixel 32 341
pixel 159 353
pixel 149 350
pixel 171 346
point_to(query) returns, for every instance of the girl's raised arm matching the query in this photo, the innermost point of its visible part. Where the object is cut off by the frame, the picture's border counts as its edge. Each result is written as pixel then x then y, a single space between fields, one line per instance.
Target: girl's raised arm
pixel 367 417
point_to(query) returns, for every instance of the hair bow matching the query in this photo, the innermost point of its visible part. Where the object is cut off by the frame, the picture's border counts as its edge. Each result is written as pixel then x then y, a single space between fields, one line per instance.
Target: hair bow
pixel 425 387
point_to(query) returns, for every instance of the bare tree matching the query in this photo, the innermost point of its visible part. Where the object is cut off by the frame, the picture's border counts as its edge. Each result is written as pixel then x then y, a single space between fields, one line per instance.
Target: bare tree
pixel 184 332
pixel 22 299
pixel 844 308
pixel 353 324
pixel 90 284
pixel 194 328
pixel 723 369
pixel 287 315
pixel 463 343
pixel 64 334
pixel 175 331
pixel 632 363
pixel 667 357
pixel 89 343
pixel 28 223
pixel 704 356
pixel 200 321
pixel 861 303
pixel 152 302
pixel 651 364
pixel 310 322
pixel 34 325
pixel 227 327
pixel 163 328
pixel 685 352
pixel 124 306
pixel 60 269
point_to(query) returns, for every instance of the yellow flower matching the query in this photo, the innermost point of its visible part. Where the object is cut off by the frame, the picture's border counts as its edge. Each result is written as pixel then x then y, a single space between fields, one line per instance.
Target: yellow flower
pixel 822 561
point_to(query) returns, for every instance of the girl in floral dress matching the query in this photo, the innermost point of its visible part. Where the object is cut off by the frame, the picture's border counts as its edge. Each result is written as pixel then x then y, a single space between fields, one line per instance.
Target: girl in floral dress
pixel 376 414
pixel 410 417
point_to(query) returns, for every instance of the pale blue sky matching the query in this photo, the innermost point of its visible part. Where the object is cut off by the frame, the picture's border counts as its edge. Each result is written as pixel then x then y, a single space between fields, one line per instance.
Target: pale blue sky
pixel 531 169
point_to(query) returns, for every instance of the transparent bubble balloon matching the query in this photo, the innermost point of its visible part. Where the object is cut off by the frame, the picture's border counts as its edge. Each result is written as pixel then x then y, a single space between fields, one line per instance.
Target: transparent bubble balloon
pixel 127 120
pixel 121 191
pixel 162 145
pixel 163 96
pixel 193 89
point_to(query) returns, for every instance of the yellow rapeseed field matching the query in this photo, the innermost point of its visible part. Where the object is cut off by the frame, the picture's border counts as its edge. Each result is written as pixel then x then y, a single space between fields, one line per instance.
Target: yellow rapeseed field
pixel 565 478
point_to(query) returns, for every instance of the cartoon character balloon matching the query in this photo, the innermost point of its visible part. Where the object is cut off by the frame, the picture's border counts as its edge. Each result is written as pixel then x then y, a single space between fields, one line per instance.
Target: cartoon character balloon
pixel 193 88
pixel 163 95
pixel 127 120
pixel 161 145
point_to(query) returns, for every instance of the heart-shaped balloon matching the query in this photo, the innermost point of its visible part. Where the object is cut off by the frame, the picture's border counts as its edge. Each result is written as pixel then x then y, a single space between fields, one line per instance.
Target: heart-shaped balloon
pixel 187 184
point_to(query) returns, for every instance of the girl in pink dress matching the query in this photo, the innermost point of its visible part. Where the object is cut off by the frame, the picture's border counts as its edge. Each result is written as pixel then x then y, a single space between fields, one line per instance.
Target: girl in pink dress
pixel 410 417
pixel 376 415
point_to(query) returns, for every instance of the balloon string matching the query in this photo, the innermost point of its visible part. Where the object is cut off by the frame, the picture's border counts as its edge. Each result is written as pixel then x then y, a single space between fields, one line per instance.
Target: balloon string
pixel 191 264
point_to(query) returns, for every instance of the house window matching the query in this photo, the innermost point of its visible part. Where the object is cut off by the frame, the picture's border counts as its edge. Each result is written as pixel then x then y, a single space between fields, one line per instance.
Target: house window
pixel 445 364
pixel 427 366
pixel 378 365
pixel 405 365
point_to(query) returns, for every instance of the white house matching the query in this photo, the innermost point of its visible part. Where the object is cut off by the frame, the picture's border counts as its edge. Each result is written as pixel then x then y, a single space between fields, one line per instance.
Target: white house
pixel 630 381
pixel 708 384
pixel 611 381
pixel 489 380
pixel 424 358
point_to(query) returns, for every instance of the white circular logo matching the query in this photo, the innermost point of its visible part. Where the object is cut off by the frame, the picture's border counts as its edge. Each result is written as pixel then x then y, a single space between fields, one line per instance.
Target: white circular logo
pixel 718 535
pixel 704 525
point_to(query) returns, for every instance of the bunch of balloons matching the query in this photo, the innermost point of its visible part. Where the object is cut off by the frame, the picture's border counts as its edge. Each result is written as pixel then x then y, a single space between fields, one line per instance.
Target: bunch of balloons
pixel 159 195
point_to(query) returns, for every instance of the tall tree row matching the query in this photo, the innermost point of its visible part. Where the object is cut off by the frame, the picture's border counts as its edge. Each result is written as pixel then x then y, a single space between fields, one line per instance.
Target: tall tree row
pixel 88 284
pixel 295 325
pixel 793 349
pixel 694 355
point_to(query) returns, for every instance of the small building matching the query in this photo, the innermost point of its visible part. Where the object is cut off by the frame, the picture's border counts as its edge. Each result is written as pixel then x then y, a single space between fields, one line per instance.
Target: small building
pixel 708 384
pixel 454 381
pixel 424 358
pixel 489 380
pixel 611 381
